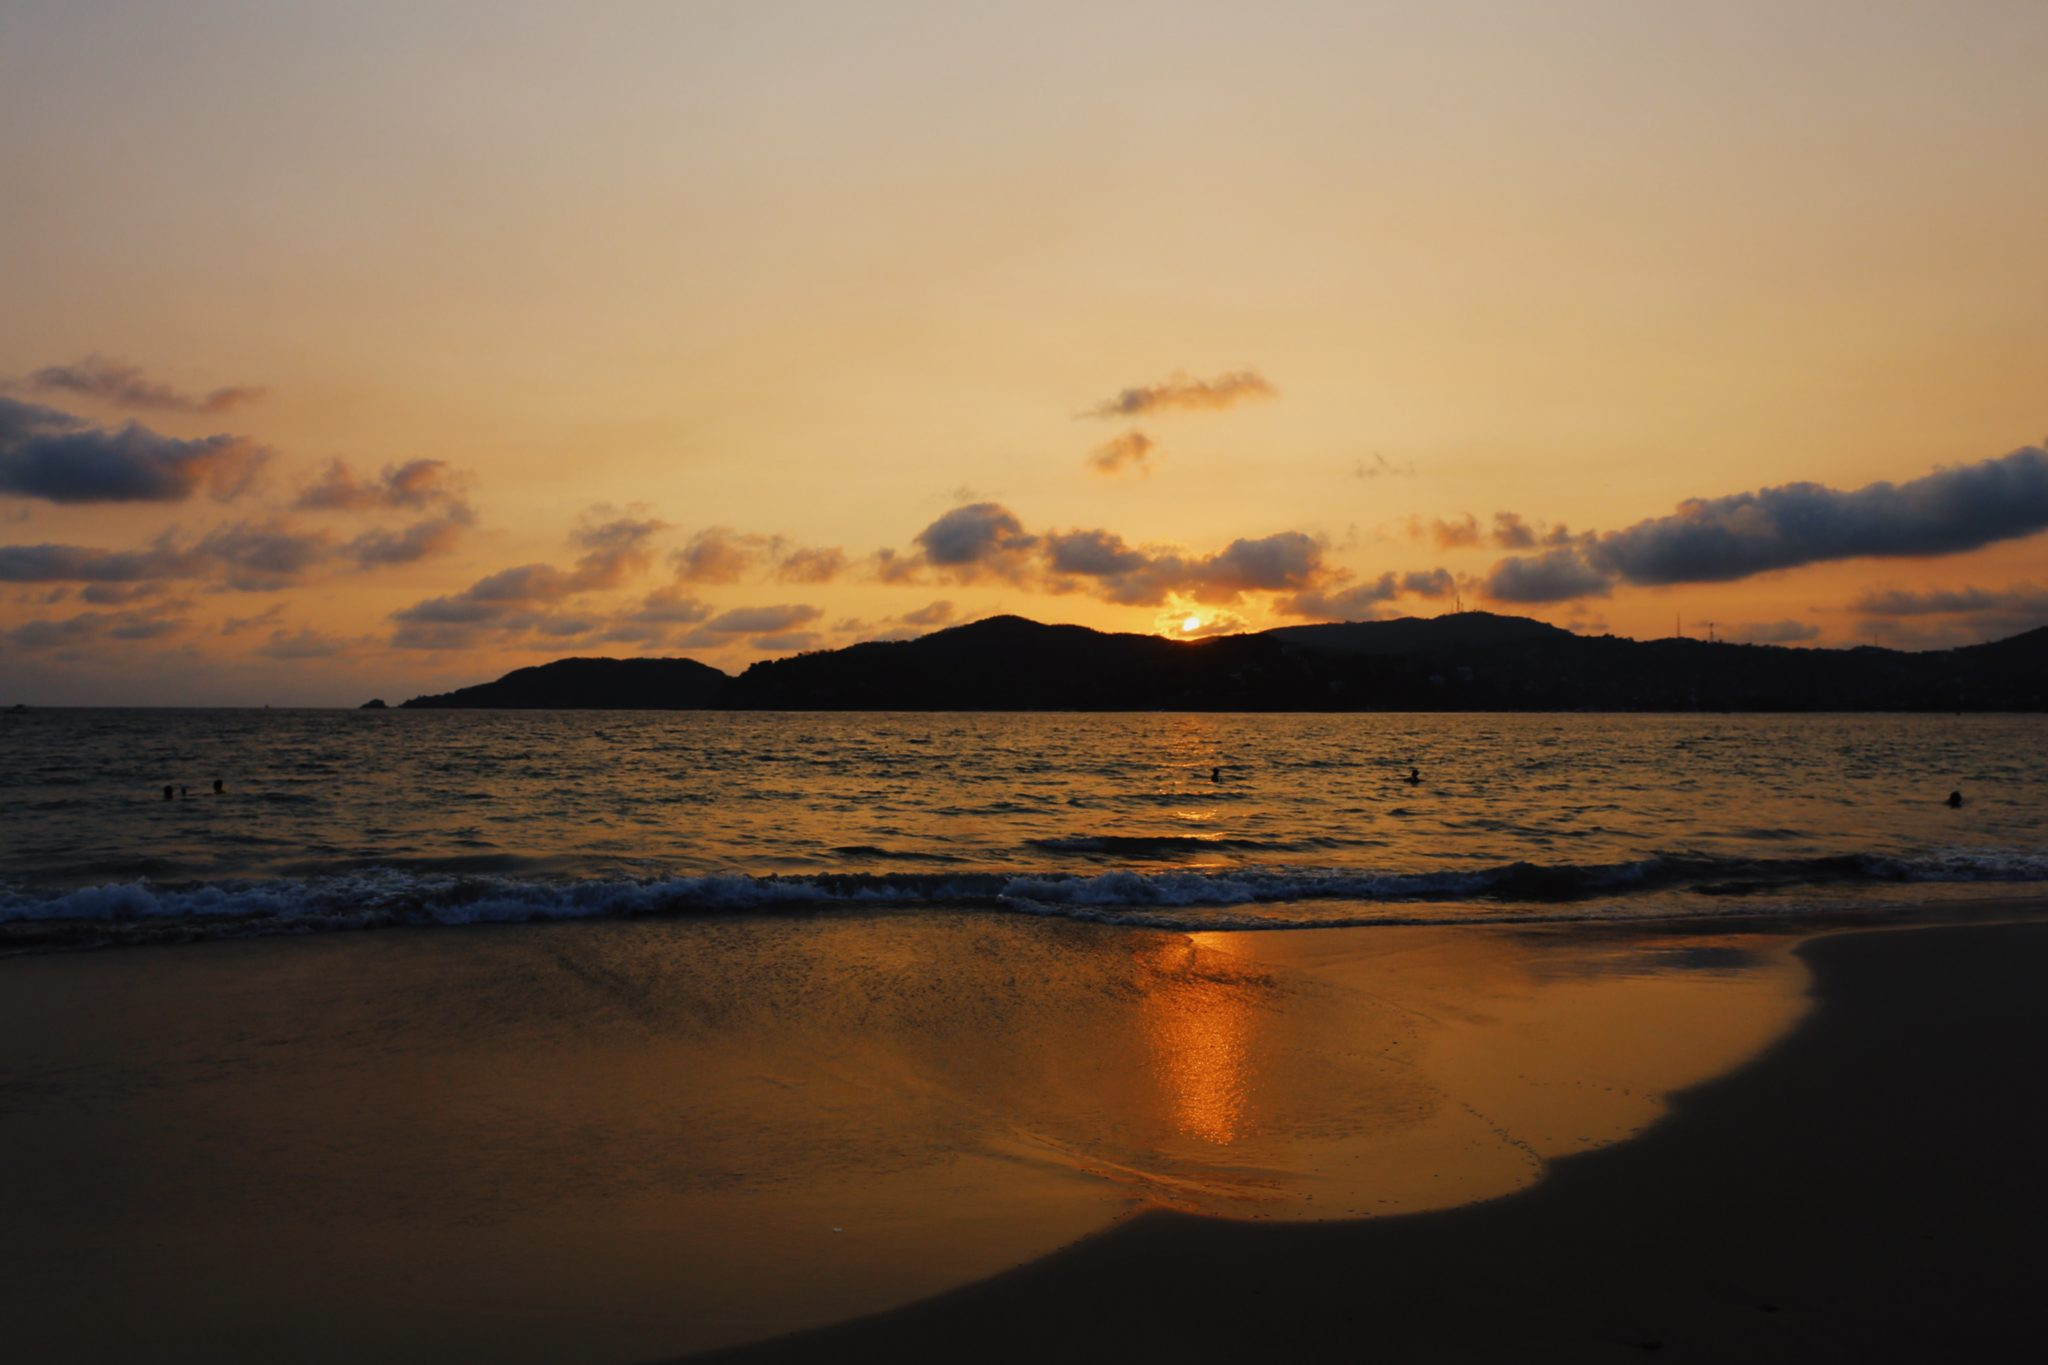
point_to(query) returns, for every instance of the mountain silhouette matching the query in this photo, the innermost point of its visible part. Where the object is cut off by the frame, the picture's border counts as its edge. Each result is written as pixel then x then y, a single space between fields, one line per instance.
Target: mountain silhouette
pixel 594 684
pixel 1464 661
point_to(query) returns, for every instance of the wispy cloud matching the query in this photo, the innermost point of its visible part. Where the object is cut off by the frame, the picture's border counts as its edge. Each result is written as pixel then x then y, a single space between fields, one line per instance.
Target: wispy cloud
pixel 112 381
pixel 1455 533
pixel 1959 614
pixel 414 484
pixel 1131 450
pixel 1786 632
pixel 811 565
pixel 525 599
pixel 91 628
pixel 755 621
pixel 1379 467
pixel 1182 394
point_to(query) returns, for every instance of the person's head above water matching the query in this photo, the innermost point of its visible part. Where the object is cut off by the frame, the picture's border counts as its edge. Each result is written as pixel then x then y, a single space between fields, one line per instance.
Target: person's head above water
pixel 217 787
pixel 1955 798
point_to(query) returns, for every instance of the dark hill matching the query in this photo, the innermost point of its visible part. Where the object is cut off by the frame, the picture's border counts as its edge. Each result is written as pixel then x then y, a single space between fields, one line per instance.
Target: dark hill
pixel 1470 661
pixel 606 684
pixel 1007 663
pixel 1456 631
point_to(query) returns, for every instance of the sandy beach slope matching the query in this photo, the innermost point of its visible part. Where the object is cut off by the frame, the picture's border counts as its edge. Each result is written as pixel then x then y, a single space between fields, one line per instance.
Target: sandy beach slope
pixel 1870 1189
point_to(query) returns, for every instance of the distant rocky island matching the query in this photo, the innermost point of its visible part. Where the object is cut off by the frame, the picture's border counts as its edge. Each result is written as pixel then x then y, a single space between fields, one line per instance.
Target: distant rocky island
pixel 1465 661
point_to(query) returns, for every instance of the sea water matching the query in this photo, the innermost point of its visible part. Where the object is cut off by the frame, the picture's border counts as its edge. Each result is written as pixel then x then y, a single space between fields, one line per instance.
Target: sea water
pixel 335 819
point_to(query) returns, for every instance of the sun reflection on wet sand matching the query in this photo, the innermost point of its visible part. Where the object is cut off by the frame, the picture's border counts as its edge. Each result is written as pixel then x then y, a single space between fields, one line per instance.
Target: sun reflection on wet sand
pixel 1199 1029
pixel 877 1107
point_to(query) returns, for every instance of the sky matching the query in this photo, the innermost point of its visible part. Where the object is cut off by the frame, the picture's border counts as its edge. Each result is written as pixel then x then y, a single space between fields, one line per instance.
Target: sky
pixel 374 349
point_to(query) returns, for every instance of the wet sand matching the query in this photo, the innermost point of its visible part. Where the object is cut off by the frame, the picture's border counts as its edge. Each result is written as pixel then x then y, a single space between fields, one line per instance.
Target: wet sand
pixel 623 1140
pixel 1870 1189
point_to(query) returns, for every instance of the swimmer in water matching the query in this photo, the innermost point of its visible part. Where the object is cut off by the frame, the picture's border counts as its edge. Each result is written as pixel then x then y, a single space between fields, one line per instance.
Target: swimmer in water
pixel 218 789
pixel 1955 800
pixel 1215 774
pixel 168 795
pixel 1414 778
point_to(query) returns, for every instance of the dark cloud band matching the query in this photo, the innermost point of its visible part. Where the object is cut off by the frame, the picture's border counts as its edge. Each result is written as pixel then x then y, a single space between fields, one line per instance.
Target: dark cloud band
pixel 60 458
pixel 1720 540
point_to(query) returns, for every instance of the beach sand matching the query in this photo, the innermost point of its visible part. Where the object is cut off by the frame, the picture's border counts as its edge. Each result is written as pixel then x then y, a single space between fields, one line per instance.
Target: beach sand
pixel 627 1141
pixel 1870 1189
pixel 622 1140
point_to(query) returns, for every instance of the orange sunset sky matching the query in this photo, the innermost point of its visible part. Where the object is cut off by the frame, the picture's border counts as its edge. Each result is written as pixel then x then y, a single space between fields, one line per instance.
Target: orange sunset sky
pixel 371 349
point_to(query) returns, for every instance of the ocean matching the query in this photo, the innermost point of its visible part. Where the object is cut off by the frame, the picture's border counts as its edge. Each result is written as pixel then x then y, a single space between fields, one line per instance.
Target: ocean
pixel 342 819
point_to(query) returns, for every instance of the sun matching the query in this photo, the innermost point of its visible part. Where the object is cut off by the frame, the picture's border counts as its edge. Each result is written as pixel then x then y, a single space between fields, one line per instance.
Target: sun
pixel 1193 623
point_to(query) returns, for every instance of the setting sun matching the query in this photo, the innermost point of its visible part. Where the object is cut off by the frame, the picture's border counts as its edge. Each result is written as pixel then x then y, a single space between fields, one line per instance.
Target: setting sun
pixel 1193 623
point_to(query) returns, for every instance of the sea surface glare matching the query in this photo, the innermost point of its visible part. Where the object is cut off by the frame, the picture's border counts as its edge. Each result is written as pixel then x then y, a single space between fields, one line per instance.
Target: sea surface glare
pixel 335 819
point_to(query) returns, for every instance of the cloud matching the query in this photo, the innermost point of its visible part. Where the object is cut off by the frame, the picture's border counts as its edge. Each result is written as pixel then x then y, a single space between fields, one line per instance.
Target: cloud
pixel 1713 540
pixel 1275 563
pixel 300 644
pixel 2020 597
pixel 410 486
pixel 1183 394
pixel 756 620
pixel 1719 540
pixel 811 566
pixel 1351 603
pixel 83 564
pixel 378 547
pixel 521 599
pixel 1774 633
pixel 1379 468
pixel 1510 532
pixel 242 555
pixel 907 626
pixel 1456 533
pixel 987 540
pixel 94 627
pixel 1429 583
pixel 789 642
pixel 1092 554
pixel 235 625
pixel 1965 613
pixel 59 458
pixel 413 486
pixel 718 555
pixel 117 594
pixel 670 607
pixel 1207 621
pixel 982 539
pixel 126 386
pixel 1554 576
pixel 617 549
pixel 893 567
pixel 1099 561
pixel 1132 449
pixel 260 557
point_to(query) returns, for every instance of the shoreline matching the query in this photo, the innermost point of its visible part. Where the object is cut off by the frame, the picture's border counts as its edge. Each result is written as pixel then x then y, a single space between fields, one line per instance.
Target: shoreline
pixel 1863 1189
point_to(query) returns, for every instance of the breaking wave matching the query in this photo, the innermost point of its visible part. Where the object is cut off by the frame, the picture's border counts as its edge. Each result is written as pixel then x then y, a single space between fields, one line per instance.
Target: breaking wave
pixel 1277 898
